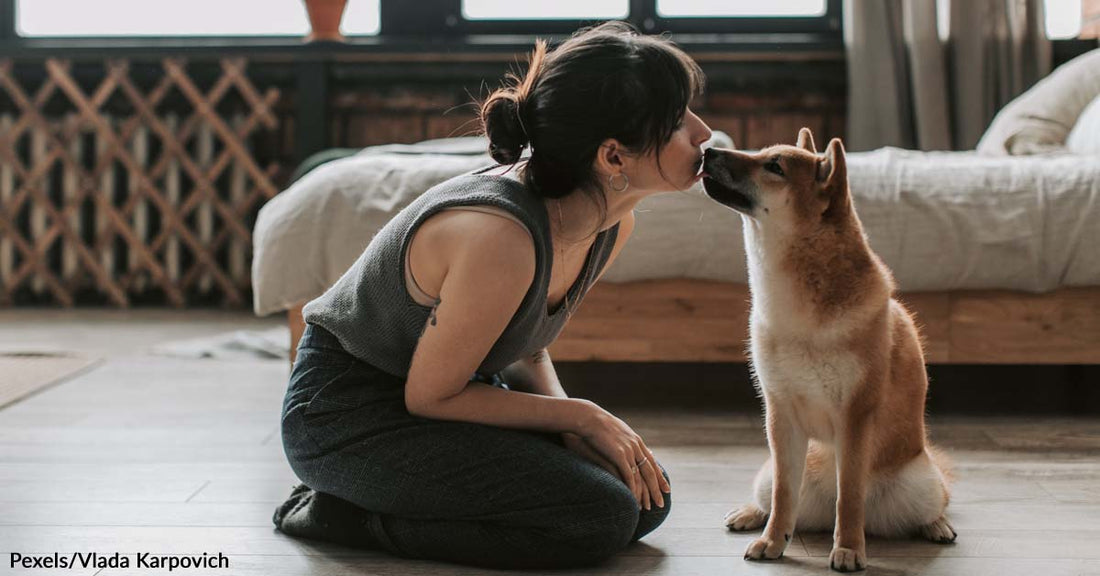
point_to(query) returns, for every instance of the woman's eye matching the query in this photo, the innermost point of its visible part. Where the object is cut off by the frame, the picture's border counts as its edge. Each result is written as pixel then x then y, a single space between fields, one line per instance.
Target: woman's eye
pixel 774 167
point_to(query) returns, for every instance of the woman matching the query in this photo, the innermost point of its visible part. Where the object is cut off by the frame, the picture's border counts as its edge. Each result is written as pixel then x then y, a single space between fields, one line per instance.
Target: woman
pixel 399 448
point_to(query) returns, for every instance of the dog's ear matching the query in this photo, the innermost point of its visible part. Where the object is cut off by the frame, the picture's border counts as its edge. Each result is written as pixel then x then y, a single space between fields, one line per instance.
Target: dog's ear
pixel 832 169
pixel 832 173
pixel 806 140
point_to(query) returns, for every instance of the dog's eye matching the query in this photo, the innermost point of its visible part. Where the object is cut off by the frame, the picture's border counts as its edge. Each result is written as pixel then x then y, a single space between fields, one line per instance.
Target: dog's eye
pixel 774 167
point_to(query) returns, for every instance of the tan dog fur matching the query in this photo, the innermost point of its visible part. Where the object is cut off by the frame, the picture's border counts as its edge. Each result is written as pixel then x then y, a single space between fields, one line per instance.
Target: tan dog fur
pixel 836 358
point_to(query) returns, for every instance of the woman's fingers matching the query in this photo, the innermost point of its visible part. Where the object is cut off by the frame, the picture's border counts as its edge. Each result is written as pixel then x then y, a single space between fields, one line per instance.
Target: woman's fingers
pixel 647 473
pixel 661 482
pixel 613 439
pixel 663 487
pixel 653 488
pixel 628 469
pixel 666 488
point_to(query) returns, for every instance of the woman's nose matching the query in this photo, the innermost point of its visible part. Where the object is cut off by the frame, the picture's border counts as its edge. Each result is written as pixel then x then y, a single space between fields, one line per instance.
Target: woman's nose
pixel 704 134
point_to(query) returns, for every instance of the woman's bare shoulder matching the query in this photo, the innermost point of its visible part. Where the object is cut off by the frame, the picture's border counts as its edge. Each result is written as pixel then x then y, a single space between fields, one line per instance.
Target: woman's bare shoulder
pixel 495 245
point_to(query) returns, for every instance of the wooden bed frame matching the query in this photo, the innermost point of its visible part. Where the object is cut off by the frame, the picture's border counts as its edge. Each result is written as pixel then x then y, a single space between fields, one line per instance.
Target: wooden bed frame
pixel 706 321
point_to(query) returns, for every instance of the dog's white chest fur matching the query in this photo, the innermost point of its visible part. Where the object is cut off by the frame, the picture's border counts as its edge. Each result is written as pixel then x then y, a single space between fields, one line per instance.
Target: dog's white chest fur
pixel 814 382
pixel 808 367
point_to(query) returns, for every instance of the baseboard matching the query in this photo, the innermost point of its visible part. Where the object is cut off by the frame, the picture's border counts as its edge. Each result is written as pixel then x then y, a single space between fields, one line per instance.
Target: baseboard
pixel 954 389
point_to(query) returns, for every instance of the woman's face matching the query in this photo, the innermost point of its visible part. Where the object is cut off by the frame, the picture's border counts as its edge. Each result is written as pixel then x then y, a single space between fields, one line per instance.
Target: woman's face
pixel 681 159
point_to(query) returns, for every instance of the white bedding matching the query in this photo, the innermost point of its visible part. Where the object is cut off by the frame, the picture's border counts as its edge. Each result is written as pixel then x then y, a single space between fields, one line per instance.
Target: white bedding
pixel 940 220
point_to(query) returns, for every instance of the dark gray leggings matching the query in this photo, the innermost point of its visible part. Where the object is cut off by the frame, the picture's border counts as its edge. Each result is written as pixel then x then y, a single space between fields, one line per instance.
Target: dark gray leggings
pixel 450 491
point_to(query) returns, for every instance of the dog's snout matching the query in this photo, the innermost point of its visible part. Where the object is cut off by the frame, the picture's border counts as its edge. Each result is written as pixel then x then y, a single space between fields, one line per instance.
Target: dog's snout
pixel 710 154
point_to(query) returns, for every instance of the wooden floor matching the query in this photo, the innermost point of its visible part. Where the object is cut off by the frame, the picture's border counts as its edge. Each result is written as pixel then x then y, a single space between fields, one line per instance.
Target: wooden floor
pixel 171 456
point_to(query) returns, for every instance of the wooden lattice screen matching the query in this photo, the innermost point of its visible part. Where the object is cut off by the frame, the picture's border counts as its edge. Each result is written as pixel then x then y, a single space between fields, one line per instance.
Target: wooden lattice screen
pixel 123 204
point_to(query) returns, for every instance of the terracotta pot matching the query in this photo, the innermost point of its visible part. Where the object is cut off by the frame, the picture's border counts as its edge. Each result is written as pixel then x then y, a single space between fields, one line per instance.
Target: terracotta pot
pixel 324 18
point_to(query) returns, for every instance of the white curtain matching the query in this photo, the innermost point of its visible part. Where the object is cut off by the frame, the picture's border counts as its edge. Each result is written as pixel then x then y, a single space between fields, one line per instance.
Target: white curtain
pixel 909 88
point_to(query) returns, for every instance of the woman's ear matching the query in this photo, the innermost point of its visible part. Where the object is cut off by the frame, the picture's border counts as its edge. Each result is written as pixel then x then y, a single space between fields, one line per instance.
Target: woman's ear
pixel 611 158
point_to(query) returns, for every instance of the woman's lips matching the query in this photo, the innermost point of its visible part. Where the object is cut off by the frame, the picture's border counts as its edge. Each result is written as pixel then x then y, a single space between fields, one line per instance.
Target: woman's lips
pixel 699 171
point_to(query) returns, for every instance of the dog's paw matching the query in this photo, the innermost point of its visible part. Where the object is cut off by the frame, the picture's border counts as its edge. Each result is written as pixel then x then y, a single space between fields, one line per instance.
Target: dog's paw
pixel 939 531
pixel 747 517
pixel 847 560
pixel 765 549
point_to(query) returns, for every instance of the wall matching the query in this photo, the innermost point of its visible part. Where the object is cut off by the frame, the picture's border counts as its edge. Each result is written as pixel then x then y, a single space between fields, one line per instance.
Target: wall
pixel 758 103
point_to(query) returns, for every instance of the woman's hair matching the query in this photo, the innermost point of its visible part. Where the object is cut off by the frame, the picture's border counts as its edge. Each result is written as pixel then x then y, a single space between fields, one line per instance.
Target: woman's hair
pixel 606 81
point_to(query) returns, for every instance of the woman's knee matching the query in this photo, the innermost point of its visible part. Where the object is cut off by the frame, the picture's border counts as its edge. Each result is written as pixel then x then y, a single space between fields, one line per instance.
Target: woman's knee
pixel 620 523
pixel 602 539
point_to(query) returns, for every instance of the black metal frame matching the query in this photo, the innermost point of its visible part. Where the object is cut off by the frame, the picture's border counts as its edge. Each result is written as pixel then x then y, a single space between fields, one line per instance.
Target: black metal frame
pixel 7 20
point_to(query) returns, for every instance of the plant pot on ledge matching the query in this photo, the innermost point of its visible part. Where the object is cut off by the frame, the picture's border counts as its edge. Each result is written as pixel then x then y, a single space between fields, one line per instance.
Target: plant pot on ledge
pixel 324 20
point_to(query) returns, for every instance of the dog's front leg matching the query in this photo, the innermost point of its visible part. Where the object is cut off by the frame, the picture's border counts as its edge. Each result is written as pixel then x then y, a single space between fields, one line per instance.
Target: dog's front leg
pixel 788 445
pixel 852 460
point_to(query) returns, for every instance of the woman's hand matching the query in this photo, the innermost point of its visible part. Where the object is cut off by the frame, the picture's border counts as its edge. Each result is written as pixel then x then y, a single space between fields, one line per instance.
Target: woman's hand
pixel 620 448
pixel 578 445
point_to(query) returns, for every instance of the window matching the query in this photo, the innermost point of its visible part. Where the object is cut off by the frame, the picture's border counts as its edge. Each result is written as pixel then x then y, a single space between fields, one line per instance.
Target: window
pixel 46 18
pixel 818 17
pixel 571 9
pixel 361 17
pixel 1063 18
pixel 739 8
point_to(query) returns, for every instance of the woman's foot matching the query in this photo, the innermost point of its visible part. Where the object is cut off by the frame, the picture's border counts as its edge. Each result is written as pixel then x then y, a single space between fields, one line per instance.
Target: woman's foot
pixel 297 497
pixel 308 513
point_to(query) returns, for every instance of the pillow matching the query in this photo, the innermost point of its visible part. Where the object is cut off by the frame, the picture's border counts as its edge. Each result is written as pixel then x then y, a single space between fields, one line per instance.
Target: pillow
pixel 1085 136
pixel 1038 121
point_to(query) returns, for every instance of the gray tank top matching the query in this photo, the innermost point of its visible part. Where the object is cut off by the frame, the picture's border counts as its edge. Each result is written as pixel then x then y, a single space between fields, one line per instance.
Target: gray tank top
pixel 369 308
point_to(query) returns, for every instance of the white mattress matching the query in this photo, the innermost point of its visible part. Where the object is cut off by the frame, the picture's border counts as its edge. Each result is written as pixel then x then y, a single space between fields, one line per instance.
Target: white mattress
pixel 940 220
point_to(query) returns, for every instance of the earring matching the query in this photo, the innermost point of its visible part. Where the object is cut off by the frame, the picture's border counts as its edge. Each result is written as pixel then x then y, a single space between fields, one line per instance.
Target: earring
pixel 611 182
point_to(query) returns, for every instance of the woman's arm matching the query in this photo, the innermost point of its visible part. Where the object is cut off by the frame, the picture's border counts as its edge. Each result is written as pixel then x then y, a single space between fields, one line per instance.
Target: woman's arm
pixel 534 374
pixel 490 263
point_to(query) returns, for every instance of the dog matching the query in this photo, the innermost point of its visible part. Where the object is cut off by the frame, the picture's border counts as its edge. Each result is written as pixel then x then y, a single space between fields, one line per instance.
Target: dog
pixel 836 358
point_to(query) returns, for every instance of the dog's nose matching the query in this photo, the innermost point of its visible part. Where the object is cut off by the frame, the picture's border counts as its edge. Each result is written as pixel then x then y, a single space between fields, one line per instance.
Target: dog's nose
pixel 710 154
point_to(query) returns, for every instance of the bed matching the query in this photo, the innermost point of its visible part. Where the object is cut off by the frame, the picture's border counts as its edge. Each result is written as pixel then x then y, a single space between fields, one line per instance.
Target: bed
pixel 997 255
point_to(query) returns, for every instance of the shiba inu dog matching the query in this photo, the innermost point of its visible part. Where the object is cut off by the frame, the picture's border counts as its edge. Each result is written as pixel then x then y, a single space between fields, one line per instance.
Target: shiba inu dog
pixel 836 358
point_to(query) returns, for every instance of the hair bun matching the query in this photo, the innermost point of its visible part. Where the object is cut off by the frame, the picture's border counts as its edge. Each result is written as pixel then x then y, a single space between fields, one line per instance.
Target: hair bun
pixel 507 136
pixel 502 115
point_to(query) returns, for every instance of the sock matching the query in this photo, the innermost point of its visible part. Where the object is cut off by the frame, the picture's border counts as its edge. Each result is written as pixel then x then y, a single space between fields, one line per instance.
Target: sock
pixel 308 513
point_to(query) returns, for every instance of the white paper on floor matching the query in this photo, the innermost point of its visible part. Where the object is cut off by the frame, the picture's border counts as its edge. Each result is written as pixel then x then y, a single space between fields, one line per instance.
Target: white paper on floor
pixel 237 345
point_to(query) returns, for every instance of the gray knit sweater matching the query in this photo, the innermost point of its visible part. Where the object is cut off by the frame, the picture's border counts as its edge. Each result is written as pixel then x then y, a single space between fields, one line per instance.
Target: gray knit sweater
pixel 371 312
